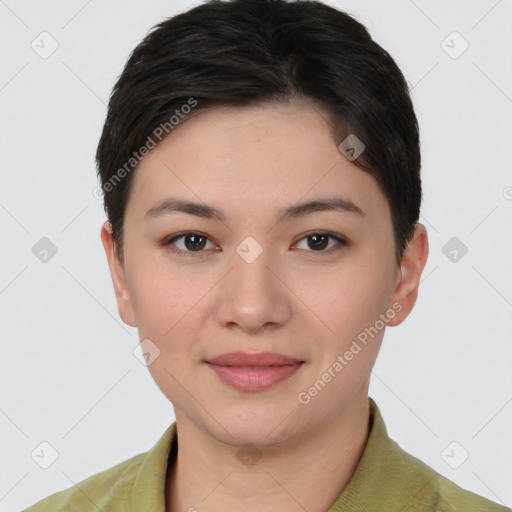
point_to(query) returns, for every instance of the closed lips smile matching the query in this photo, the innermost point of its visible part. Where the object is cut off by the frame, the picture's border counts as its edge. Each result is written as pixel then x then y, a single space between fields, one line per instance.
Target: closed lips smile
pixel 253 372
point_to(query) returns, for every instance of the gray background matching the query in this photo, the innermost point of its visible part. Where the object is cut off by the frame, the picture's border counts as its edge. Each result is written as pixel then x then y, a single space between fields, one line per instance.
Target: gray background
pixel 68 373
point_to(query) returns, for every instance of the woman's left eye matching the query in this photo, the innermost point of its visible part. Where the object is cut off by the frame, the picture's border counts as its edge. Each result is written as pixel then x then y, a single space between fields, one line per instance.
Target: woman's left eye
pixel 194 243
pixel 321 241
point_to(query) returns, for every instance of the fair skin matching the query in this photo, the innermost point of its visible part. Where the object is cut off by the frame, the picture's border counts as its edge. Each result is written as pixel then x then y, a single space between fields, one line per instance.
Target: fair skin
pixel 293 299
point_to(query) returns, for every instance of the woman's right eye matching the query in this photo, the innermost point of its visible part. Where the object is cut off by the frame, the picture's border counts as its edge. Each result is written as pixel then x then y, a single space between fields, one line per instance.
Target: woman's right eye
pixel 192 244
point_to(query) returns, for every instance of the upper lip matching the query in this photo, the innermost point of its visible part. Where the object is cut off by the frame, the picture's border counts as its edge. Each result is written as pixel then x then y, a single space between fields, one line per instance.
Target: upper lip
pixel 245 359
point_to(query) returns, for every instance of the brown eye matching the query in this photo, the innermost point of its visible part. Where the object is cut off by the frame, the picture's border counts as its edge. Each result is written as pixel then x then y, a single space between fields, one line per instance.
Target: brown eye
pixel 194 242
pixel 318 242
pixel 190 243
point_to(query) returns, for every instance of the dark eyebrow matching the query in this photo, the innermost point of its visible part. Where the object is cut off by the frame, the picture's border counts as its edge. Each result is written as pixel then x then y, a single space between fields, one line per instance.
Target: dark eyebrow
pixel 209 212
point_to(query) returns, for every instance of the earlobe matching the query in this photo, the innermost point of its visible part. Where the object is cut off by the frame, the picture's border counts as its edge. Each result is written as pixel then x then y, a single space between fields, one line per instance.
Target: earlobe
pixel 117 273
pixel 411 267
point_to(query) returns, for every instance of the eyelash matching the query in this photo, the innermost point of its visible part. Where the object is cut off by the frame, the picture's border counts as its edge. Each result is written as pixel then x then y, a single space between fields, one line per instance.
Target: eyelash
pixel 170 241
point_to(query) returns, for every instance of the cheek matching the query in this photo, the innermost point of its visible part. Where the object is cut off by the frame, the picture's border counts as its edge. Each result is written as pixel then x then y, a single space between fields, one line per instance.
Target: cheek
pixel 351 305
pixel 169 305
pixel 155 304
pixel 347 299
pixel 158 290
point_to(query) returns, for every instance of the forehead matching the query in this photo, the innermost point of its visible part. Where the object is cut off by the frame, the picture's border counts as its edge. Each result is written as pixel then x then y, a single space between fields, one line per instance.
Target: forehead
pixel 262 157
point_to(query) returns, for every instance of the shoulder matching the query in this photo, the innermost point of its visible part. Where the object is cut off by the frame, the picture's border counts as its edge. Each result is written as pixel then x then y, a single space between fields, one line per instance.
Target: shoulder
pixel 401 480
pixel 453 498
pixel 106 490
pixel 135 484
pixel 441 493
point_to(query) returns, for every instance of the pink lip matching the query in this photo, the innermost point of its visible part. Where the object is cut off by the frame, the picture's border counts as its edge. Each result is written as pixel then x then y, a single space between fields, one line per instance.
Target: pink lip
pixel 253 372
pixel 245 359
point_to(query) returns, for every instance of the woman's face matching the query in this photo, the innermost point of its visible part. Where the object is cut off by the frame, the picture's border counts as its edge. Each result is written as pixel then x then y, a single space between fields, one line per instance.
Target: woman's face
pixel 256 282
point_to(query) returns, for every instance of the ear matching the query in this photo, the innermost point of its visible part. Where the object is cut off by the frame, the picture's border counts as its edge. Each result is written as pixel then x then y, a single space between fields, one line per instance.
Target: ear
pixel 117 273
pixel 412 265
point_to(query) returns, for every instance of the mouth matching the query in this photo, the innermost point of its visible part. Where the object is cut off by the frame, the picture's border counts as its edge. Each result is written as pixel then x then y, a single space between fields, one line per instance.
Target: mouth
pixel 253 372
pixel 263 359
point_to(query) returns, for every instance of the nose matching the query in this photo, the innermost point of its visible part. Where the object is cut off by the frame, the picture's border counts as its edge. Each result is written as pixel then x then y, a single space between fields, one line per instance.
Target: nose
pixel 254 295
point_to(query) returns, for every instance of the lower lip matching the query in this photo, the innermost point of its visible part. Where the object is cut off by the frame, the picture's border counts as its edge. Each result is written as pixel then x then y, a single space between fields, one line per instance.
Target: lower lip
pixel 251 379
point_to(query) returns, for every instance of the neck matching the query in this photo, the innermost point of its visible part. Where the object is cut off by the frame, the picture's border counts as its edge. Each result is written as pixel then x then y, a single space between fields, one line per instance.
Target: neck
pixel 308 473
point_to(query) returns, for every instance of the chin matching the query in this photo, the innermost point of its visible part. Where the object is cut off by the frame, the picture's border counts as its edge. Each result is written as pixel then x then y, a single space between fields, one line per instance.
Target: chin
pixel 257 425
